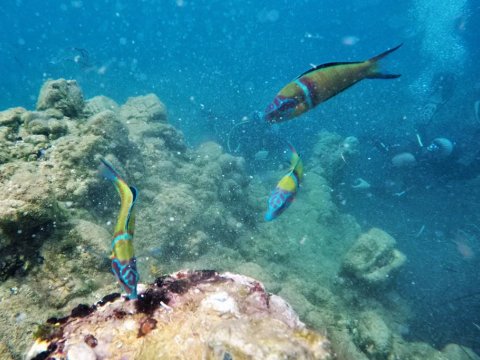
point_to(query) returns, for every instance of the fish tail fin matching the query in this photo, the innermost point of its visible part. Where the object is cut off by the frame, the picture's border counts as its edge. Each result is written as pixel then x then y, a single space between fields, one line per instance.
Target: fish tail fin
pixel 384 54
pixel 292 149
pixel 296 163
pixel 294 157
pixel 108 171
pixel 375 72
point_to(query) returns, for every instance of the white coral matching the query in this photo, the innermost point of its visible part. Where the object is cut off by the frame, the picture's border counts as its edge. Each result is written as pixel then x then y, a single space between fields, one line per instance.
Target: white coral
pixel 220 302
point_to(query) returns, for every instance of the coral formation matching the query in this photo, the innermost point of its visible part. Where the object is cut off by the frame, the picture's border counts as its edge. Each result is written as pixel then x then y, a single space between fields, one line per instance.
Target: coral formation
pixel 29 200
pixel 52 202
pixel 372 260
pixel 62 95
pixel 189 314
pixel 97 104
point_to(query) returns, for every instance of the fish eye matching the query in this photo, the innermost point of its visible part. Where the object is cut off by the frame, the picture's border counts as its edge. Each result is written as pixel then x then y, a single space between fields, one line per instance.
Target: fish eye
pixel 287 104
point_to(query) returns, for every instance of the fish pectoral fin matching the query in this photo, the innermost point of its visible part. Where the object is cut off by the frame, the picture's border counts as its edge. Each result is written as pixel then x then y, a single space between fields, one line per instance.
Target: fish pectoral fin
pixel 379 75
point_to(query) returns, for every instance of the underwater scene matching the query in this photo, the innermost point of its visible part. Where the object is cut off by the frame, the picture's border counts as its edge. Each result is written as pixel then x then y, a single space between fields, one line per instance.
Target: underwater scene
pixel 230 180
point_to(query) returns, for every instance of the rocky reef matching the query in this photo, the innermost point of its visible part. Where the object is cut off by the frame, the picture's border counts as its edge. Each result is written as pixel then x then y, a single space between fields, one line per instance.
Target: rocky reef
pixel 55 215
pixel 186 315
pixel 372 261
pixel 198 208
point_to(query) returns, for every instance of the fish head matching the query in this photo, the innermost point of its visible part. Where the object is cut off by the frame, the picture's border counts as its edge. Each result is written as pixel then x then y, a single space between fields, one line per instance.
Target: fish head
pixel 278 202
pixel 280 109
pixel 127 275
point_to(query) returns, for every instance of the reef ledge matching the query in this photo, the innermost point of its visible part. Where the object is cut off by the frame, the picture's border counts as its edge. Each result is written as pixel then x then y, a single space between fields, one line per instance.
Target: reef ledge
pixel 186 315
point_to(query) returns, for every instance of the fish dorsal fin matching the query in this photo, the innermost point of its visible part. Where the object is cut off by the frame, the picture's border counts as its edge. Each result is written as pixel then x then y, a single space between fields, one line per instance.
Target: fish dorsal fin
pixel 327 65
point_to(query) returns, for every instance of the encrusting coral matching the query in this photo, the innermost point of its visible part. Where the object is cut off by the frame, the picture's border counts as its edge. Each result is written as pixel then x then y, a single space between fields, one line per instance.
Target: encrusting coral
pixel 62 95
pixel 187 315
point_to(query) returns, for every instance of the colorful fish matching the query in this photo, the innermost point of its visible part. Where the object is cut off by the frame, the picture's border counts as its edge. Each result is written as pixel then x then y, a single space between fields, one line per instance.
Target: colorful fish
pixel 286 189
pixel 320 84
pixel 124 264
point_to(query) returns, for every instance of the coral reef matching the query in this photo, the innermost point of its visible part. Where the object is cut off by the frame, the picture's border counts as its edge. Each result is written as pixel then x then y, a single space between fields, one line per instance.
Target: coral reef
pixel 187 315
pixel 373 261
pixel 52 202
pixel 198 208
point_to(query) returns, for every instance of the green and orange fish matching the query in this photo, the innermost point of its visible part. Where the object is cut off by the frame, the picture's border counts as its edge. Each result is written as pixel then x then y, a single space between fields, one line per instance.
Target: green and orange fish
pixel 320 84
pixel 124 264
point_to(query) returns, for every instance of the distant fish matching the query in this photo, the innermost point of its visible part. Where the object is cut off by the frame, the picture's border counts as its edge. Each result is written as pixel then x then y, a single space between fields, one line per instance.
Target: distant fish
pixel 124 264
pixel 261 155
pixel 320 84
pixel 461 239
pixel 464 250
pixel 286 189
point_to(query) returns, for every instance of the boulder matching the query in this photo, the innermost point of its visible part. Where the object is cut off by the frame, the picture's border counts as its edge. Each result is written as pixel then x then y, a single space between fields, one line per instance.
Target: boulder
pixel 63 95
pixel 189 314
pixel 372 260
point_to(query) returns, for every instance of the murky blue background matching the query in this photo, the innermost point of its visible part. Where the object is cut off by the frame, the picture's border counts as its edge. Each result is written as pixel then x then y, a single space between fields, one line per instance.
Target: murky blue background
pixel 214 62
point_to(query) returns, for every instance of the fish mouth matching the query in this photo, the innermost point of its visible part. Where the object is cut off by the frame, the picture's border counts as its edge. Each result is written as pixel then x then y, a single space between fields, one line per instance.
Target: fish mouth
pixel 276 116
pixel 269 216
pixel 270 114
pixel 273 117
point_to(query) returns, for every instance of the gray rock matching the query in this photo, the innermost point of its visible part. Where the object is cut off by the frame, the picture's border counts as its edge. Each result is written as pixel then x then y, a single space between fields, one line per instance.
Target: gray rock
pixel 373 336
pixel 63 95
pixel 11 116
pixel 373 260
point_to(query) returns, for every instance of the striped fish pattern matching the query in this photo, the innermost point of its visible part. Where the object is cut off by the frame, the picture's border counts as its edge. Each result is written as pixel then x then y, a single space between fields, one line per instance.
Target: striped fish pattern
pixel 320 84
pixel 286 189
pixel 124 265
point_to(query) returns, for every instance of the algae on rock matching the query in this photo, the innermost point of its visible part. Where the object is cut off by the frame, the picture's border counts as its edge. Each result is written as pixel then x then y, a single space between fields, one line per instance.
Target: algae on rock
pixel 63 95
pixel 372 260
pixel 189 314
pixel 196 206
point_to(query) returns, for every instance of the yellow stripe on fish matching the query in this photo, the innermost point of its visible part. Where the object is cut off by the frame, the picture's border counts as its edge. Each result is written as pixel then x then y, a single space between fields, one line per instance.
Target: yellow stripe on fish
pixel 122 247
pixel 124 264
pixel 286 189
pixel 288 183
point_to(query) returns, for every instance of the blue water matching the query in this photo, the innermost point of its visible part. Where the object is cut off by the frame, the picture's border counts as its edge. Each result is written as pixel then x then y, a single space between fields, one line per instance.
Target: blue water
pixel 215 62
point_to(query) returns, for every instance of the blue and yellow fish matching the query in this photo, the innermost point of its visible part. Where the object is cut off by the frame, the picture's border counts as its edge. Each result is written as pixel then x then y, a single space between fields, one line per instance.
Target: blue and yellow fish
pixel 124 264
pixel 286 189
pixel 320 84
